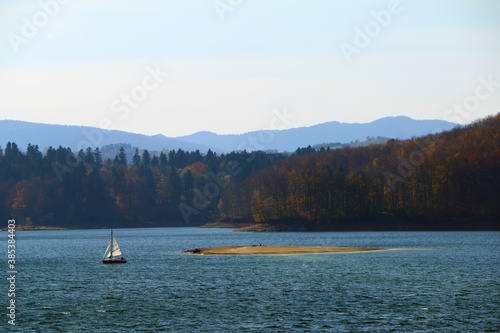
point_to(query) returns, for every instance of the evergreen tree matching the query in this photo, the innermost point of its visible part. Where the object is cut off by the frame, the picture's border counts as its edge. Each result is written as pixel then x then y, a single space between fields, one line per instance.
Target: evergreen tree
pixel 50 155
pixel 187 185
pixel 175 191
pixel 195 157
pixel 154 161
pixel 211 160
pixel 163 159
pixel 12 153
pixel 122 157
pixel 89 156
pixel 136 160
pixel 181 159
pixel 33 154
pixel 146 158
pixel 80 156
pixel 171 158
pixel 98 158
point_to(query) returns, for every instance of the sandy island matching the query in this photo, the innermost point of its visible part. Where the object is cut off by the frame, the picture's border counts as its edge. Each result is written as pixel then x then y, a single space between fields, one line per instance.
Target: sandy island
pixel 259 249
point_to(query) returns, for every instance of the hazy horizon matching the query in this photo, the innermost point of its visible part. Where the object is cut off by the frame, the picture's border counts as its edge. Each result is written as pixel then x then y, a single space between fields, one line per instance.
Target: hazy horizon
pixel 179 67
pixel 205 131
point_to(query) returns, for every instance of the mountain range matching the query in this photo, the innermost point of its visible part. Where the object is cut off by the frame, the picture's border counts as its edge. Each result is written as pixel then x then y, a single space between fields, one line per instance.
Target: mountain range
pixel 81 137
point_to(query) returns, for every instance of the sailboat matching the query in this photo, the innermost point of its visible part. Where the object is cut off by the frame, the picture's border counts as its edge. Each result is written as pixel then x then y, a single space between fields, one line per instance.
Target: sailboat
pixel 113 254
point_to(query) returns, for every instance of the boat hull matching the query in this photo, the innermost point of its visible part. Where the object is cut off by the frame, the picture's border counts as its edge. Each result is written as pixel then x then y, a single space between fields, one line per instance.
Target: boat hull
pixel 114 261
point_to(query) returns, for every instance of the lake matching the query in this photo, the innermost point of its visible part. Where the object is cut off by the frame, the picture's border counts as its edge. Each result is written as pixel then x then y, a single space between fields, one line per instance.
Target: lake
pixel 437 281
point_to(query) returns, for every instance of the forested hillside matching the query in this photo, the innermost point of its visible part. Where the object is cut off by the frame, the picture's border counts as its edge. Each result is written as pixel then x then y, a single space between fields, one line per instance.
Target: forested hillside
pixel 65 189
pixel 449 180
pixel 444 181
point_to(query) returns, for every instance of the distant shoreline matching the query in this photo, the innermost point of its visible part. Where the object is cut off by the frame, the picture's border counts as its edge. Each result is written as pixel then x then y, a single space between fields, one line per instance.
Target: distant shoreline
pixel 273 250
pixel 384 223
pixel 246 225
pixel 36 227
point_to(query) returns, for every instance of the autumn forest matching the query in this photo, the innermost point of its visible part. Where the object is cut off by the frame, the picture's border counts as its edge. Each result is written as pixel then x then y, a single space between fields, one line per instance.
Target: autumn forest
pixel 445 181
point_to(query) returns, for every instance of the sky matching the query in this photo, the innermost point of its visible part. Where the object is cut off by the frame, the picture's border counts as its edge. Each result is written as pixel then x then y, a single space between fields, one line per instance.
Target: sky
pixel 175 67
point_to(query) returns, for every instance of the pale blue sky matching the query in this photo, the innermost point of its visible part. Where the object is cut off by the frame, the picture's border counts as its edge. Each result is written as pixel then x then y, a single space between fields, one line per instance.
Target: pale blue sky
pixel 232 75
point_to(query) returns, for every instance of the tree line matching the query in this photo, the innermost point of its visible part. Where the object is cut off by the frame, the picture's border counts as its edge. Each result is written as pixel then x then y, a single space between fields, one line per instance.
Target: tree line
pixel 78 189
pixel 448 180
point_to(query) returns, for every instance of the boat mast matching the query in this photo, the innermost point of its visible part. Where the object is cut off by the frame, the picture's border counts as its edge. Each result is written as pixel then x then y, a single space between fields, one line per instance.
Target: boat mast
pixel 111 245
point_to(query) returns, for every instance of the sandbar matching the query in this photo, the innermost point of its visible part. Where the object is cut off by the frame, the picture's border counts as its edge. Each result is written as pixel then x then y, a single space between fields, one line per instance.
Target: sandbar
pixel 262 249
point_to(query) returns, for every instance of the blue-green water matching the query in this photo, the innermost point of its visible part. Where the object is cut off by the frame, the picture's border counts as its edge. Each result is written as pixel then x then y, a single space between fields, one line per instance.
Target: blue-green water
pixel 450 284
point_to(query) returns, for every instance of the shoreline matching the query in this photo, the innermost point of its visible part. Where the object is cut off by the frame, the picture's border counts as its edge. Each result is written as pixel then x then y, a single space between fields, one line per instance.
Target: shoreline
pixel 274 250
pixel 37 228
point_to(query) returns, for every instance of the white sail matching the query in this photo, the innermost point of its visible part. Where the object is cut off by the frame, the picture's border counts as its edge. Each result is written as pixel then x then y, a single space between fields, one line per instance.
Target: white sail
pixel 106 254
pixel 113 248
pixel 116 248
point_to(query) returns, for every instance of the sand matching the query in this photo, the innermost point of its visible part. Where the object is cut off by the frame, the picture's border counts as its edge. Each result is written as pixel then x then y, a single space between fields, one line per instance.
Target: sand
pixel 259 249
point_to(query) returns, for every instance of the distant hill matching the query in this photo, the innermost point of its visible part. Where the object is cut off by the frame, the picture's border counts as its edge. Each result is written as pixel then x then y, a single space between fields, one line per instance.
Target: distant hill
pixel 78 137
pixel 81 137
pixel 353 144
pixel 289 140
